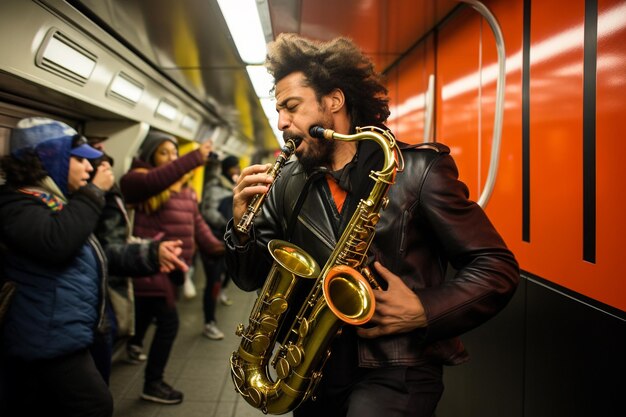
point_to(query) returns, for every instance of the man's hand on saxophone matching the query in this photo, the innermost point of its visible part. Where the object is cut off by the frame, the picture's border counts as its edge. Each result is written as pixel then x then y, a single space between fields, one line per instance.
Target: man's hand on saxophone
pixel 398 308
pixel 252 181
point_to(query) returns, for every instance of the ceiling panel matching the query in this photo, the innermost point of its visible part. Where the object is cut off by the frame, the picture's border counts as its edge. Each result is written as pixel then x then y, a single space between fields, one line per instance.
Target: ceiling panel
pixel 188 41
pixel 384 29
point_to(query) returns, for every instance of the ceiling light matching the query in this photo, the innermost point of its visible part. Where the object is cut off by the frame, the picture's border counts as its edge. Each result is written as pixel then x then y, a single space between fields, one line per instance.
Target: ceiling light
pixel 189 123
pixel 167 110
pixel 262 81
pixel 269 107
pixel 244 24
pixel 64 57
pixel 125 88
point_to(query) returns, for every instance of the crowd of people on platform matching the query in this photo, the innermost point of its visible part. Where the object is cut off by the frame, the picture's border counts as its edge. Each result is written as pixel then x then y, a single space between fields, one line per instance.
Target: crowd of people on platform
pixel 92 263
pixel 69 255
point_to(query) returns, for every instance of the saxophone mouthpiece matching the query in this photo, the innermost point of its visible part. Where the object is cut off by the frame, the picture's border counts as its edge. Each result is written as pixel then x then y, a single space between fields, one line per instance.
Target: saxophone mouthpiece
pixel 317 132
pixel 297 141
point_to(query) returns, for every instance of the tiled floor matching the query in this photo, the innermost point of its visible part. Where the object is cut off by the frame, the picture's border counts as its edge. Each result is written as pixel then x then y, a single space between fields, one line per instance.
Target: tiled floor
pixel 198 366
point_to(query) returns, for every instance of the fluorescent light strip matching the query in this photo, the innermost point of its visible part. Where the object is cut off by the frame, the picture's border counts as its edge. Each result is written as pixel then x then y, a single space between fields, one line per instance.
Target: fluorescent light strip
pixel 244 24
pixel 269 108
pixel 63 54
pixel 189 123
pixel 261 80
pixel 123 86
pixel 167 110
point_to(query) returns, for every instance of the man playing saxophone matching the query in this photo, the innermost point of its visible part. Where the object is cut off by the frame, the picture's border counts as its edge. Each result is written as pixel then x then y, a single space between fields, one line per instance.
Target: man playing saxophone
pixel 392 366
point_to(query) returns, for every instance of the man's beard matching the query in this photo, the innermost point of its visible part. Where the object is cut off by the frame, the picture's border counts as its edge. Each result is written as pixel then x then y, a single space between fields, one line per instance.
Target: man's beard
pixel 318 154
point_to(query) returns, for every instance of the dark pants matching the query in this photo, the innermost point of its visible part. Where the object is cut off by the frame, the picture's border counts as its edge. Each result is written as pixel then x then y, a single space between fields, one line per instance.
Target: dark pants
pixel 102 353
pixel 102 348
pixel 66 386
pixel 213 268
pixel 148 309
pixel 349 391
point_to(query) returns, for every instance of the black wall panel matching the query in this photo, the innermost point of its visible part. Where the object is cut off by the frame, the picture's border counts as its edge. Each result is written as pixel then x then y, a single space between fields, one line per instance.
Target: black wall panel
pixel 549 353
pixel 491 383
pixel 575 357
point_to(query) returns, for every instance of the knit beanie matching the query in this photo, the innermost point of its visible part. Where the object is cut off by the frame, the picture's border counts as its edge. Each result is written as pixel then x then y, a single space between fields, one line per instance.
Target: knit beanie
pixel 228 163
pixel 151 143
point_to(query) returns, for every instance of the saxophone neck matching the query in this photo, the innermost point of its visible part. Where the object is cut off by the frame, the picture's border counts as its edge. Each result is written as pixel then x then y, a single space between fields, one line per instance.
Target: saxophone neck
pixel 384 138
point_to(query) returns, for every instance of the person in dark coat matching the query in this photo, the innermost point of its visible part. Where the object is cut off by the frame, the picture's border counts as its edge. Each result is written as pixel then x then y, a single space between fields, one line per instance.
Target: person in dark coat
pixel 127 257
pixel 156 186
pixel 216 209
pixel 48 212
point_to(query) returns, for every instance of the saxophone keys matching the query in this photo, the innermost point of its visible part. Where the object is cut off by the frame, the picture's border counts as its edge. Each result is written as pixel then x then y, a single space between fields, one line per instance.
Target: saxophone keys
pixel 283 369
pixel 260 343
pixel 361 247
pixel 294 355
pixel 374 218
pixel 277 305
pixel 239 377
pixel 303 330
pixel 268 324
pixel 255 397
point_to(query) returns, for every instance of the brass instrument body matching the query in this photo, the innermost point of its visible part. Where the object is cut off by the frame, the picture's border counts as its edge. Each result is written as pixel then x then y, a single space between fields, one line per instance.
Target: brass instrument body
pixel 341 294
pixel 249 363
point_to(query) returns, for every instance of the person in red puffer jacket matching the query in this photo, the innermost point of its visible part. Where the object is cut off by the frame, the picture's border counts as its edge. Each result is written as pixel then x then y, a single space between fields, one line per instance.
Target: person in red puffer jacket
pixel 165 208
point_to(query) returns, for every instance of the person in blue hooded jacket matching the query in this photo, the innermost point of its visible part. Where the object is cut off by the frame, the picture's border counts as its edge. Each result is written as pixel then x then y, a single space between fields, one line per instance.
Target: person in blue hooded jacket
pixel 48 212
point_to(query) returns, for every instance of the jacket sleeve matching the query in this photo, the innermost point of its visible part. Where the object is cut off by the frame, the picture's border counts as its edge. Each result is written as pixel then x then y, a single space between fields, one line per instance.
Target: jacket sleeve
pixel 47 236
pixel 137 259
pixel 139 185
pixel 248 265
pixel 206 240
pixel 211 199
pixel 486 270
pixel 140 258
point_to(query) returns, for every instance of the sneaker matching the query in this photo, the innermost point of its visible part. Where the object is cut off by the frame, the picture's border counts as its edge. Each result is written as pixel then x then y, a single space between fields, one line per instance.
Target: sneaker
pixel 212 332
pixel 189 288
pixel 225 300
pixel 135 354
pixel 162 393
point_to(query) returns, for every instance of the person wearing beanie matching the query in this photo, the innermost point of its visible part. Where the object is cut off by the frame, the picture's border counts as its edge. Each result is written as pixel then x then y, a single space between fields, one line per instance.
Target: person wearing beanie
pixel 156 186
pixel 48 212
pixel 216 208
pixel 230 168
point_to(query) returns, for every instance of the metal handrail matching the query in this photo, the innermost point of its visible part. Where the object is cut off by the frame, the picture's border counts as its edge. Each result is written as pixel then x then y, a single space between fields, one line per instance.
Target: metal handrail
pixel 499 112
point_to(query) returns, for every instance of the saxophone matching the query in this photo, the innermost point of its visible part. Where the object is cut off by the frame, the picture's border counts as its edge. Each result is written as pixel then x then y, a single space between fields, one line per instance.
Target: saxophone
pixel 341 293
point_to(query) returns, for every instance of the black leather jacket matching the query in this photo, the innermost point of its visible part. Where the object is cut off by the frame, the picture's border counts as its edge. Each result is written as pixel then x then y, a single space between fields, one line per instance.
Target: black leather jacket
pixel 428 225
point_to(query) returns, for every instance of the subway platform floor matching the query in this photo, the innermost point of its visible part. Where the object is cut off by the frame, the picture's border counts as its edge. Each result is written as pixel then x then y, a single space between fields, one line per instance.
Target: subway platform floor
pixel 198 366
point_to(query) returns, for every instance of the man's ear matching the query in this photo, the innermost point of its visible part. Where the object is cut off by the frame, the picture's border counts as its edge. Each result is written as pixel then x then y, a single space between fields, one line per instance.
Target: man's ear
pixel 335 100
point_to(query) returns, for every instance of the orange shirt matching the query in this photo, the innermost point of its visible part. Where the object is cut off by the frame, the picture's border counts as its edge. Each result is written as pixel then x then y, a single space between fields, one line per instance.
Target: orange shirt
pixel 338 193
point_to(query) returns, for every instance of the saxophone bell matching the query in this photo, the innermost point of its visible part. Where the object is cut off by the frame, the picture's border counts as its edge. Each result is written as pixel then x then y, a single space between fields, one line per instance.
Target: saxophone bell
pixel 349 295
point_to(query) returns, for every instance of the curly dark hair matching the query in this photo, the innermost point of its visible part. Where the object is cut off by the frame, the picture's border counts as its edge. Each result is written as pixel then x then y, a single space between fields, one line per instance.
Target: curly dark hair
pixel 25 171
pixel 338 63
